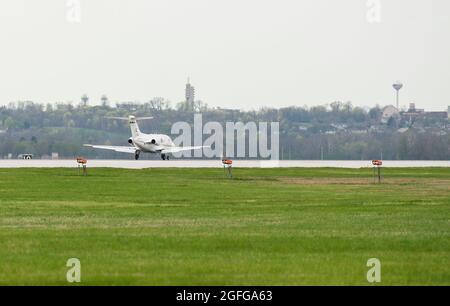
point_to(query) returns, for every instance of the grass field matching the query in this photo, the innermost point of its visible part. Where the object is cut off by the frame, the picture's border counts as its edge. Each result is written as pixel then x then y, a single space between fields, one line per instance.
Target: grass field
pixel 195 227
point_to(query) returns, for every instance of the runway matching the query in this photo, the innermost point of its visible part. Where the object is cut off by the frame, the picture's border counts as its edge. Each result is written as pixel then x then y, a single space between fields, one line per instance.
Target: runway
pixel 143 164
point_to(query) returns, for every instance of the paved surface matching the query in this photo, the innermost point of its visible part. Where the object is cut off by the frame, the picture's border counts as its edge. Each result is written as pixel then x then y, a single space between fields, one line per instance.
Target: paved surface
pixel 141 164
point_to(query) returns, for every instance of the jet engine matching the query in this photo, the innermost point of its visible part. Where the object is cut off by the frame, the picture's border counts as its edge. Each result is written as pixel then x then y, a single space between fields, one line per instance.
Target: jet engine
pixel 153 142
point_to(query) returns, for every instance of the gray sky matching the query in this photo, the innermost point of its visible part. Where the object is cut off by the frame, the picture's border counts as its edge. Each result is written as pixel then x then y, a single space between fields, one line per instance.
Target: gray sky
pixel 238 53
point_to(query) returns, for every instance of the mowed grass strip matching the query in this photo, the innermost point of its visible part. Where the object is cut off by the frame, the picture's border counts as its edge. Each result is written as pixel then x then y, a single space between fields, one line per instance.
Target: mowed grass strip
pixel 196 227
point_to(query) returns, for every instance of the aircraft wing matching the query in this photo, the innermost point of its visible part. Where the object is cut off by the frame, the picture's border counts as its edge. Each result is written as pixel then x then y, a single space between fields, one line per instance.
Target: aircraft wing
pixel 122 149
pixel 180 149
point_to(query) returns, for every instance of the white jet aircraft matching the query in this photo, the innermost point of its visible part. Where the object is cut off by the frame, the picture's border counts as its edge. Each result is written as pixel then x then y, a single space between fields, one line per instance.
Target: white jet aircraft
pixel 148 143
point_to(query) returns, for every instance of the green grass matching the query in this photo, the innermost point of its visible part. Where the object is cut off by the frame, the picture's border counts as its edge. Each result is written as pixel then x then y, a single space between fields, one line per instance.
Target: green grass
pixel 195 227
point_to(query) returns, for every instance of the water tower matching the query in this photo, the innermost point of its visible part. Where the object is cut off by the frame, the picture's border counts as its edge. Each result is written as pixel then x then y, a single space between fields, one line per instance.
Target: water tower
pixel 105 101
pixel 84 100
pixel 397 86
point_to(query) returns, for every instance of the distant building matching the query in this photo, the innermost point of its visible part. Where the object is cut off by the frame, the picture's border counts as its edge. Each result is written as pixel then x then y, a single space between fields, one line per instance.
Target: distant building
pixel 190 93
pixel 413 109
pixel 130 106
pixel 414 113
pixel 228 110
pixel 436 115
pixel 389 112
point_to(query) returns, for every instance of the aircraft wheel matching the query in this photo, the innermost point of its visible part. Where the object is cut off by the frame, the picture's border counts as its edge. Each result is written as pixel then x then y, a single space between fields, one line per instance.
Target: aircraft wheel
pixel 136 155
pixel 163 156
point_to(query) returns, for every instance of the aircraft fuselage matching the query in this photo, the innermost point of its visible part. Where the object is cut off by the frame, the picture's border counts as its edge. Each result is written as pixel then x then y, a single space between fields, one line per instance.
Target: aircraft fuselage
pixel 151 143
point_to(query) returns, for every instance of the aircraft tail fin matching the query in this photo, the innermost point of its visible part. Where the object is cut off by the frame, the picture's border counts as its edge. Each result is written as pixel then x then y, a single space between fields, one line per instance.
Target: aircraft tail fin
pixel 132 120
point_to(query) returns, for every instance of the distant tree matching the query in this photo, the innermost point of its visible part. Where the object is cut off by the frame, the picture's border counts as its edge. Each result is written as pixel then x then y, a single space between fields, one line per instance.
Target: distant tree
pixel 336 106
pixel 305 133
pixel 358 114
pixel 200 106
pixel 9 123
pixel 184 106
pixel 392 123
pixel 375 113
pixel 402 149
pixel 347 107
pixel 159 104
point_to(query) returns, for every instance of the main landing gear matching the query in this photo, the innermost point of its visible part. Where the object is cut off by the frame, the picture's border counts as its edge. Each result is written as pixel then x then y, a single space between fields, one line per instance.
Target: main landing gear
pixel 163 156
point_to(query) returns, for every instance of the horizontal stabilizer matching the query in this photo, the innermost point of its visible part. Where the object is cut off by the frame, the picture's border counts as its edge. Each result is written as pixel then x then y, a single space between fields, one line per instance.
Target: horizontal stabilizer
pixel 122 149
pixel 180 149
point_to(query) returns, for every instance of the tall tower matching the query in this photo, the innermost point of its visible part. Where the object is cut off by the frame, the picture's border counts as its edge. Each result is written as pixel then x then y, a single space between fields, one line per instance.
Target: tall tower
pixel 190 93
pixel 84 100
pixel 397 86
pixel 105 100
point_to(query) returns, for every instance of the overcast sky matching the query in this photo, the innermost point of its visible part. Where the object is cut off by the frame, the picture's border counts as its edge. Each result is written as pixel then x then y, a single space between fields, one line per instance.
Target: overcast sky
pixel 238 53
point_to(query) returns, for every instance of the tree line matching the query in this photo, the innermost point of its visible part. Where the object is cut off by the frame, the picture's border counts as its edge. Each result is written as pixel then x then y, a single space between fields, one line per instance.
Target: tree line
pixel 336 131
